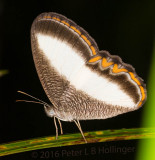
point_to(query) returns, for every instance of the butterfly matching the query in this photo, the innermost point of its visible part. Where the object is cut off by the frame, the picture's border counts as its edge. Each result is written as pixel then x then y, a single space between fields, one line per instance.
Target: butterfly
pixel 81 82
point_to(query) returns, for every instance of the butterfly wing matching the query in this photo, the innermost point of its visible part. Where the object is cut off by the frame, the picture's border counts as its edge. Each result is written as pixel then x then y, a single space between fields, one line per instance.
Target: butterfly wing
pixel 76 76
pixel 55 49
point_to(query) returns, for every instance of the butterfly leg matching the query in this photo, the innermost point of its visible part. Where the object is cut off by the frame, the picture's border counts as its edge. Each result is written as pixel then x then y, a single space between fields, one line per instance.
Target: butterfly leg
pixel 55 123
pixel 60 126
pixel 79 126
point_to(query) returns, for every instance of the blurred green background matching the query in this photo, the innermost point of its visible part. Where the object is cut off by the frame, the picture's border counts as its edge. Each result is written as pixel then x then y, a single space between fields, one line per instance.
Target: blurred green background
pixel 146 148
pixel 124 28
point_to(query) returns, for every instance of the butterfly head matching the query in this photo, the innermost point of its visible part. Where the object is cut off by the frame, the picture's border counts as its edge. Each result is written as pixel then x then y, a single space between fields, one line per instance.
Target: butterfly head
pixel 49 110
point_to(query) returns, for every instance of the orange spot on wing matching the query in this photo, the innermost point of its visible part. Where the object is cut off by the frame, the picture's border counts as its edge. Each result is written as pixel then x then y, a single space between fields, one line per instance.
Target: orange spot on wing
pixel 56 18
pixel 47 17
pixel 135 79
pixel 93 50
pixel 140 103
pixel 118 70
pixel 143 92
pixel 143 96
pixel 86 40
pixel 95 59
pixel 76 30
pixel 67 24
pixel 105 63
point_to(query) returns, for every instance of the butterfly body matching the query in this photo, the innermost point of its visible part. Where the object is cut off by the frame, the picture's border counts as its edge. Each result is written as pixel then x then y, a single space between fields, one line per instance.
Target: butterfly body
pixel 81 82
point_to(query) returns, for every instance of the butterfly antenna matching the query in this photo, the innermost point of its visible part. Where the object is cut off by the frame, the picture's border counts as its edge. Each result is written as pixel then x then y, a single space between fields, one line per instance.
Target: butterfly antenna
pixel 29 101
pixel 38 100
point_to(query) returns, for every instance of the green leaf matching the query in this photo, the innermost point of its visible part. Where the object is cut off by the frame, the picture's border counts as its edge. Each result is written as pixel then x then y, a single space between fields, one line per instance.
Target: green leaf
pixel 76 139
